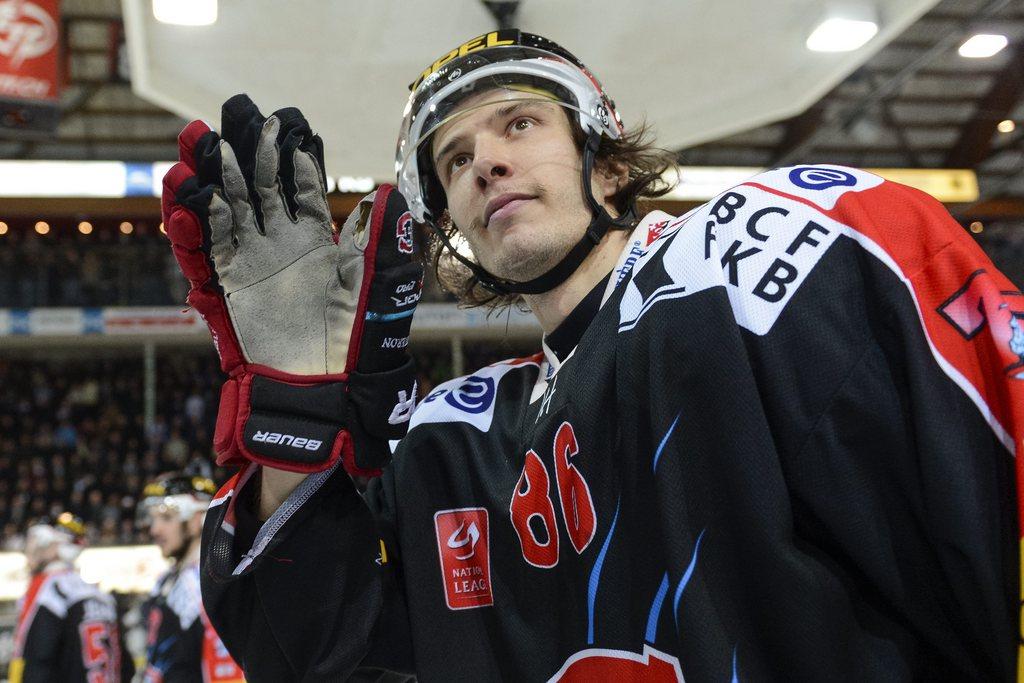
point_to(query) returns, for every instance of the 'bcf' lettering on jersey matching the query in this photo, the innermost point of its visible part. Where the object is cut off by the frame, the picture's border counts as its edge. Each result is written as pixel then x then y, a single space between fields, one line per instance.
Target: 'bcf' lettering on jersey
pixel 759 245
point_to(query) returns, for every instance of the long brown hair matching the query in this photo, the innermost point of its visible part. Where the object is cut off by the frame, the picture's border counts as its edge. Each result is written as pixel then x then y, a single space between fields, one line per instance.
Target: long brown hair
pixel 635 151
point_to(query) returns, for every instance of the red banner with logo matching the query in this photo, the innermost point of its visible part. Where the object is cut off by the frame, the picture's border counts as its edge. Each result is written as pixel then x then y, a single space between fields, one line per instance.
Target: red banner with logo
pixel 29 64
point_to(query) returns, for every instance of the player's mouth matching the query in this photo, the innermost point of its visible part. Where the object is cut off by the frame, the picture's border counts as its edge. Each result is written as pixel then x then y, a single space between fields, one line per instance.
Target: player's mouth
pixel 503 206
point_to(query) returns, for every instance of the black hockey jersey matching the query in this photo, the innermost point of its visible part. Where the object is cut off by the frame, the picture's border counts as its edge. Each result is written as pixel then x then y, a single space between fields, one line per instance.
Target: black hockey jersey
pixel 67 630
pixel 181 644
pixel 782 449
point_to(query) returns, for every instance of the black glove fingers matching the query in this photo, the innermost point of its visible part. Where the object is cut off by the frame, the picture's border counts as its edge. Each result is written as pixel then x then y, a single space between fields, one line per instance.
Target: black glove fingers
pixel 207 159
pixel 242 125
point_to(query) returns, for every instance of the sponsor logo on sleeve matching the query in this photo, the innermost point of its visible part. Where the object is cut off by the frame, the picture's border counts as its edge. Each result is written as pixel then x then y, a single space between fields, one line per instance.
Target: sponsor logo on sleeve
pixel 979 304
pixel 654 232
pixel 467 399
pixel 474 395
pixel 635 252
pixel 822 185
pixel 815 178
pixel 464 552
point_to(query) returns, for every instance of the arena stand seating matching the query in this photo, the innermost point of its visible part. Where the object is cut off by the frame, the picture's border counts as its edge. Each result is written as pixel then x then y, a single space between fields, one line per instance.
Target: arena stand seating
pixel 72 437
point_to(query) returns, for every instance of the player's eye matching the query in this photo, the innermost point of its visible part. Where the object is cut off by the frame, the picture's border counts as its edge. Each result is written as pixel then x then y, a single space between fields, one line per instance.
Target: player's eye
pixel 521 123
pixel 457 162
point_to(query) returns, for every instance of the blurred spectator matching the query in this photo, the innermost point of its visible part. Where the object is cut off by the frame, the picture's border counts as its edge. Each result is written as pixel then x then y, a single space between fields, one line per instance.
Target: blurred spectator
pixel 72 437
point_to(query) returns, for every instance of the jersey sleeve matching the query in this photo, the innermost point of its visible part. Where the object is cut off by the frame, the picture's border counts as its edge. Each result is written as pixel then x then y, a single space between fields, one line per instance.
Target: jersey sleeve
pixel 954 349
pixel 41 655
pixel 301 596
pixel 888 357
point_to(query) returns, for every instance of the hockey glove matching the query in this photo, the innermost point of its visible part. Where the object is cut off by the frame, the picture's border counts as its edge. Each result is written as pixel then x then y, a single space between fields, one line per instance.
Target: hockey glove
pixel 311 327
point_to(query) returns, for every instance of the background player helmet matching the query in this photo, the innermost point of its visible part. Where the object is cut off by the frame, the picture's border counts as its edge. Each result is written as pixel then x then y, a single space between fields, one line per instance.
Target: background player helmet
pixel 67 532
pixel 181 494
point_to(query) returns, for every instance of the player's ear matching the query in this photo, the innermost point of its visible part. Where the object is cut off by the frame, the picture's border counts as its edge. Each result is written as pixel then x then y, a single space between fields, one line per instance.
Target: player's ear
pixel 610 176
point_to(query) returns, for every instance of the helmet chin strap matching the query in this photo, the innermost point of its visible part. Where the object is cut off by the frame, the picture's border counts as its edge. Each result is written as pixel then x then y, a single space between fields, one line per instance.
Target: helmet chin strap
pixel 561 271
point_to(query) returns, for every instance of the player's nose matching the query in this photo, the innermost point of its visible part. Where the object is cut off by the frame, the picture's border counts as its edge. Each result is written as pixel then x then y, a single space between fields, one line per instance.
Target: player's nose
pixel 491 160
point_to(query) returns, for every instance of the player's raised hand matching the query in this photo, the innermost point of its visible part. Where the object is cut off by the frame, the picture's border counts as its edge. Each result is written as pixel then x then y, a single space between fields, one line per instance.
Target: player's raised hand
pixel 311 328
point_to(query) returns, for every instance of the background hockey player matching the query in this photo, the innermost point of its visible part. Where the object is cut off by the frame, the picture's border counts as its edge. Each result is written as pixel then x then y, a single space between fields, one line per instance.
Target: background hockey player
pixel 67 629
pixel 181 645
pixel 771 439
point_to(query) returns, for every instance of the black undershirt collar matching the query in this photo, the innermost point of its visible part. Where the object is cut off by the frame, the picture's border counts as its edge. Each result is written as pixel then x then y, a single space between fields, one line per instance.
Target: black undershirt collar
pixel 564 338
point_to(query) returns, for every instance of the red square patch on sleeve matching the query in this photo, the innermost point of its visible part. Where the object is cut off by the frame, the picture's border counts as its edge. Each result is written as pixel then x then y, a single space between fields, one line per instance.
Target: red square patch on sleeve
pixel 464 551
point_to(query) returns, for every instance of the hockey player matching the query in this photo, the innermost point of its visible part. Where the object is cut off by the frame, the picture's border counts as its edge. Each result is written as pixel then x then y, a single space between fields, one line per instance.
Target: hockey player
pixel 181 644
pixel 67 629
pixel 772 439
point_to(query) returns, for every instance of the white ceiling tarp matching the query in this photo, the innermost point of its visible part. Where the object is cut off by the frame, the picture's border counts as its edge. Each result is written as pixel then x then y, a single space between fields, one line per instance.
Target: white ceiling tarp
pixel 695 70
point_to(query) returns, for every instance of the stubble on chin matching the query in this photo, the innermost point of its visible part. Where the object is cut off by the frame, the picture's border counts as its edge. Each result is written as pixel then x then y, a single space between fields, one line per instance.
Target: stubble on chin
pixel 530 250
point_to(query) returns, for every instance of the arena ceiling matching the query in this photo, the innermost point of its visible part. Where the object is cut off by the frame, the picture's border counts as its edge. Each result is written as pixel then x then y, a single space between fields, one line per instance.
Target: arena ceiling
pixel 691 68
pixel 723 85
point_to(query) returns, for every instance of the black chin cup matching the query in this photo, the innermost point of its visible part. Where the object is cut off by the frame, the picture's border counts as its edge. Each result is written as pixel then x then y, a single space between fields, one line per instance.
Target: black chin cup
pixel 560 272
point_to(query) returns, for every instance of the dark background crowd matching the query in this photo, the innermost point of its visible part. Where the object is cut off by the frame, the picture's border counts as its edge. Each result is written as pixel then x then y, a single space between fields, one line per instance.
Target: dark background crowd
pixel 104 268
pixel 73 437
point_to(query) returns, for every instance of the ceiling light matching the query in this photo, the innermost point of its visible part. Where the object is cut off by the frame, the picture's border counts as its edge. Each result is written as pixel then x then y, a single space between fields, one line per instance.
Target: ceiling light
pixel 85 227
pixel 982 45
pixel 1006 126
pixel 126 228
pixel 3 228
pixel 977 226
pixel 42 227
pixel 185 12
pixel 841 35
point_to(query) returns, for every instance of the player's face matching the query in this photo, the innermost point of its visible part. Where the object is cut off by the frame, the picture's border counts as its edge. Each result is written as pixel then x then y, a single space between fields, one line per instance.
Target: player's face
pixel 511 173
pixel 38 555
pixel 167 531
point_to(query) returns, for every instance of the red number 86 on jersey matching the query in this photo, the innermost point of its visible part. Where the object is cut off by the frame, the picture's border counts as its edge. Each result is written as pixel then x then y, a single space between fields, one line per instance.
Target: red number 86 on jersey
pixel 532 510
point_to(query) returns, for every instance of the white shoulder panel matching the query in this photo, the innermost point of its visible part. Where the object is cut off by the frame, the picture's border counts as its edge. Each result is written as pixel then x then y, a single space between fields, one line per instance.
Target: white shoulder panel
pixel 65 589
pixel 758 240
pixel 467 399
pixel 185 598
